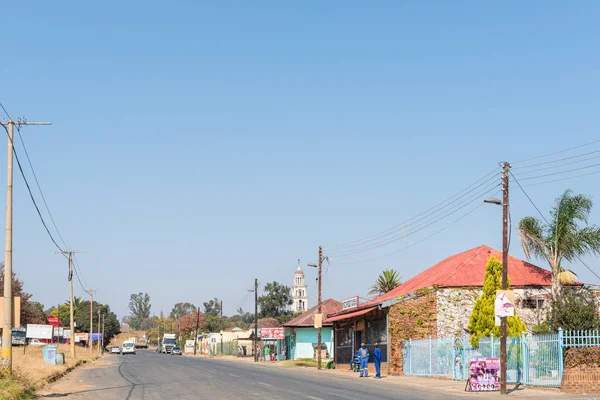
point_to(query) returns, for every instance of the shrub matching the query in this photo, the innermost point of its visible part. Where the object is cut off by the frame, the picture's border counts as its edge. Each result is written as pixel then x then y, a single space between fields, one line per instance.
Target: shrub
pixel 575 309
pixel 582 356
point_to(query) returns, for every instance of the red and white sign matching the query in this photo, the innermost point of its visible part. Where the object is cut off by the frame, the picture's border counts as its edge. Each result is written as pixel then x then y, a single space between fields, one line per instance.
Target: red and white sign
pixel 81 337
pixel 272 333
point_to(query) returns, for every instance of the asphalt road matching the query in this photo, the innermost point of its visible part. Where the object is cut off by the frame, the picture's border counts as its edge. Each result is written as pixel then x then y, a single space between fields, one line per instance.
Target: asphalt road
pixel 150 376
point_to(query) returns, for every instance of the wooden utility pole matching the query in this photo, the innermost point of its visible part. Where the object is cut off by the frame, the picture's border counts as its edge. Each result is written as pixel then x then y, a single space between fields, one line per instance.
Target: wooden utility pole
pixel 255 341
pixel 99 341
pixel 7 321
pixel 103 333
pixel 505 217
pixel 91 338
pixel 319 310
pixel 197 327
pixel 69 255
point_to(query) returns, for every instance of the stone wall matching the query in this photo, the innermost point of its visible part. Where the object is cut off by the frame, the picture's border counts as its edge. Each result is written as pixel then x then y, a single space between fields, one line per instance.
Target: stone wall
pixel 410 319
pixel 454 307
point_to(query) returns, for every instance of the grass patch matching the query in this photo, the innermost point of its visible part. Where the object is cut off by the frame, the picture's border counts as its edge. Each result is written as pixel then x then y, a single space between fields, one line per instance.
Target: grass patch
pixel 15 388
pixel 302 362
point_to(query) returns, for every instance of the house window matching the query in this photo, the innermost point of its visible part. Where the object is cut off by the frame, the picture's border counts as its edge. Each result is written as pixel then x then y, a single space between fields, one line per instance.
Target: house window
pixel 532 304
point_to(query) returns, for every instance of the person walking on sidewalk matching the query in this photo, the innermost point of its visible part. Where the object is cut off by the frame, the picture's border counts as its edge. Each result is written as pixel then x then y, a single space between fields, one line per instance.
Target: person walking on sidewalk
pixel 363 356
pixel 377 360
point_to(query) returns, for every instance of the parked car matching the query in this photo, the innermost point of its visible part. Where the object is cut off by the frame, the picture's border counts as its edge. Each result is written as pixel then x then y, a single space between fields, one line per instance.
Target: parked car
pixel 36 342
pixel 128 348
pixel 115 350
pixel 176 351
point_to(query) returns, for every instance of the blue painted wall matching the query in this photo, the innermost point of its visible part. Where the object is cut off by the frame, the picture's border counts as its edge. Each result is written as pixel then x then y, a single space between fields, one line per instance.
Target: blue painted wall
pixel 305 337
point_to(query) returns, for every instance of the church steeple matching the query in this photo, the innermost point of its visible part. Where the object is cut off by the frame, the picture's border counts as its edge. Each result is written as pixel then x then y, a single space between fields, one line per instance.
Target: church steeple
pixel 299 292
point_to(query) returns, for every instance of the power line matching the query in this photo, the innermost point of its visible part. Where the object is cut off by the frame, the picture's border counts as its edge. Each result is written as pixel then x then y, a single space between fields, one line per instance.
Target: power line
pixel 418 242
pixel 399 226
pixel 418 228
pixel 30 192
pixel 557 152
pixel 559 165
pixel 547 222
pixel 562 179
pixel 560 172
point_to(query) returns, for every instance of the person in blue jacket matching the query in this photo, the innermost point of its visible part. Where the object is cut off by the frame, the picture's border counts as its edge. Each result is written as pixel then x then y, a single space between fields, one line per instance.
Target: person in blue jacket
pixel 377 360
pixel 363 356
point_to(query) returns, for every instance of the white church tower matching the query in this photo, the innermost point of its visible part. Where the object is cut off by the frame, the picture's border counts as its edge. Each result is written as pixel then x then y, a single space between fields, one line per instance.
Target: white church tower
pixel 299 294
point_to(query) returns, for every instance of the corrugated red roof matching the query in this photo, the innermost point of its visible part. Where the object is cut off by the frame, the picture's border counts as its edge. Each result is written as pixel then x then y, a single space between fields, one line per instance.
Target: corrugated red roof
pixel 468 269
pixel 351 314
pixel 329 306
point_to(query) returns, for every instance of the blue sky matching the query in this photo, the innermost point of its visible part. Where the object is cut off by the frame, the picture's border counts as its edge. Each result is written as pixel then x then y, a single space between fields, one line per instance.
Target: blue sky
pixel 196 146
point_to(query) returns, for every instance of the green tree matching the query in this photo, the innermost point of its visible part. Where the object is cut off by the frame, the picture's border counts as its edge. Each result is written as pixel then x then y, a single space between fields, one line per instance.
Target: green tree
pixel 181 309
pixel 561 238
pixel 482 321
pixel 275 301
pixel 111 323
pixel 386 281
pixel 30 311
pixel 139 309
pixel 574 309
pixel 212 307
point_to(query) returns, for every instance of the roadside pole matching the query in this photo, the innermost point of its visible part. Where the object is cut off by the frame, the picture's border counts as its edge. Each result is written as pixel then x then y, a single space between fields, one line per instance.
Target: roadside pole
pixel 98 330
pixel 91 330
pixel 255 341
pixel 102 334
pixel 197 327
pixel 320 311
pixel 69 255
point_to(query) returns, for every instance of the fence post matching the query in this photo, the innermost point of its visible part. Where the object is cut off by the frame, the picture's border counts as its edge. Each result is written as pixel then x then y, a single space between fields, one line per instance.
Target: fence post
pixel 525 360
pixel 465 367
pixel 430 359
pixel 492 342
pixel 560 353
pixel 410 356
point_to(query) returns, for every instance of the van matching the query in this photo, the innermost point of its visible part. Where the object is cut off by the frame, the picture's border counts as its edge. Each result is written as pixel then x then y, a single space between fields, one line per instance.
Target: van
pixel 128 347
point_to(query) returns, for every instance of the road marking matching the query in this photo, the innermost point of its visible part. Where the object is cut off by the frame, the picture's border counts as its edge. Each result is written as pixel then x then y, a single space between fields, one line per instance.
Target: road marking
pixel 266 384
pixel 237 376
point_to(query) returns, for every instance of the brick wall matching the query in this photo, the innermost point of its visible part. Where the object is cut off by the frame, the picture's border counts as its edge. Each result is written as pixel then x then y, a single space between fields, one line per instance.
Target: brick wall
pixel 411 319
pixel 582 379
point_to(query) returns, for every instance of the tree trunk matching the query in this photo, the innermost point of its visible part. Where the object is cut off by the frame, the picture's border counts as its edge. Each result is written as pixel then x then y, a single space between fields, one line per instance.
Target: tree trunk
pixel 556 287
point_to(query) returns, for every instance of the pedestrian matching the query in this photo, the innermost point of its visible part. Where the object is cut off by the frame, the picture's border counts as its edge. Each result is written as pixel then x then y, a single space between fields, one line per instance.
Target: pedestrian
pixel 377 360
pixel 363 356
pixel 267 353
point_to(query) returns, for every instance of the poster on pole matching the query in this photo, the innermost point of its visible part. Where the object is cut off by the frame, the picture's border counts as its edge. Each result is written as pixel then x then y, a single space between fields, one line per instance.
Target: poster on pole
pixel 484 375
pixel 35 331
pixel 504 306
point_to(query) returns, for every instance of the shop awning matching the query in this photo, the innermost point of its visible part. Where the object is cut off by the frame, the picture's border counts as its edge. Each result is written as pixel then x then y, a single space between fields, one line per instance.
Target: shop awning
pixel 351 314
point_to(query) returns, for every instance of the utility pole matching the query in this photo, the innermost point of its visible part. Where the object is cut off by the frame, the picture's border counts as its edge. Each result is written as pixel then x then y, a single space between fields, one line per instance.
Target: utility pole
pixel 7 321
pixel 505 211
pixel 197 327
pixel 319 311
pixel 99 331
pixel 102 333
pixel 221 326
pixel 255 341
pixel 72 323
pixel 91 338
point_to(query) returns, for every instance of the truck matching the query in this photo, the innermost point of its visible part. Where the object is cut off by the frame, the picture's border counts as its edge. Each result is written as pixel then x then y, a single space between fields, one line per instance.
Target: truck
pixel 140 342
pixel 169 340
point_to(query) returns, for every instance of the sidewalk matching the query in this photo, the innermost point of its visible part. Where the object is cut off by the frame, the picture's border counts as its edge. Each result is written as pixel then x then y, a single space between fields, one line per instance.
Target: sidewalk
pixel 453 388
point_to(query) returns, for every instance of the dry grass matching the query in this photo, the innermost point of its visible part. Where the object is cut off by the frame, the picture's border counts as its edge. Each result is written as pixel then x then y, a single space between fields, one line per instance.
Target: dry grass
pixel 30 366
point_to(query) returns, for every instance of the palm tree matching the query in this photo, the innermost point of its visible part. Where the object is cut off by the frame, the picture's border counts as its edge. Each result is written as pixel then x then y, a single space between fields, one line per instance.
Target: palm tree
pixel 386 281
pixel 562 237
pixel 76 302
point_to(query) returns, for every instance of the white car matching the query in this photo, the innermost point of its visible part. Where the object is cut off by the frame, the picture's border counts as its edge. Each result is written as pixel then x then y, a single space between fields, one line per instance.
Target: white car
pixel 36 342
pixel 128 348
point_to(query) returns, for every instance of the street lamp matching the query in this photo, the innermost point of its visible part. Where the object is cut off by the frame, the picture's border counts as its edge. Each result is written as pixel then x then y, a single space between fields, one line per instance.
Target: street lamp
pixel 504 204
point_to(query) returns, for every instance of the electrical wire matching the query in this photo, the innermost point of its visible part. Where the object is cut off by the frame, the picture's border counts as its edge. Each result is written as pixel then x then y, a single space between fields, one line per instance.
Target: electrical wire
pixel 419 228
pixel 560 172
pixel 401 225
pixel 560 159
pixel 547 222
pixel 557 152
pixel 416 243
pixel 560 165
pixel 562 179
pixel 31 194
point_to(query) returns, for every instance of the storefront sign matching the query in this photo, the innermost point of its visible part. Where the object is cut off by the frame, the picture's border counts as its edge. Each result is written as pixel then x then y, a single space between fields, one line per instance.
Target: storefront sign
pixel 504 306
pixel 484 375
pixel 35 331
pixel 272 333
pixel 352 302
pixel 81 337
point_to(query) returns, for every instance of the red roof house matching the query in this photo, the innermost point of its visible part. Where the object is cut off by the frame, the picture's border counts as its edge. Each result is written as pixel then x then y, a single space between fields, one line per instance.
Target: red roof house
pixel 307 319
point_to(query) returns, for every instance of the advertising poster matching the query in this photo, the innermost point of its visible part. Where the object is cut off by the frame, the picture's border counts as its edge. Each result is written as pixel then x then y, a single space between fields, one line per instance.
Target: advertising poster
pixel 504 306
pixel 35 331
pixel 484 375
pixel 272 333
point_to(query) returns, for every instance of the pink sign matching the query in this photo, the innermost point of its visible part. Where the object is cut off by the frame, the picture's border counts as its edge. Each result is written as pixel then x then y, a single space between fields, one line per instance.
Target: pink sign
pixel 272 333
pixel 484 375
